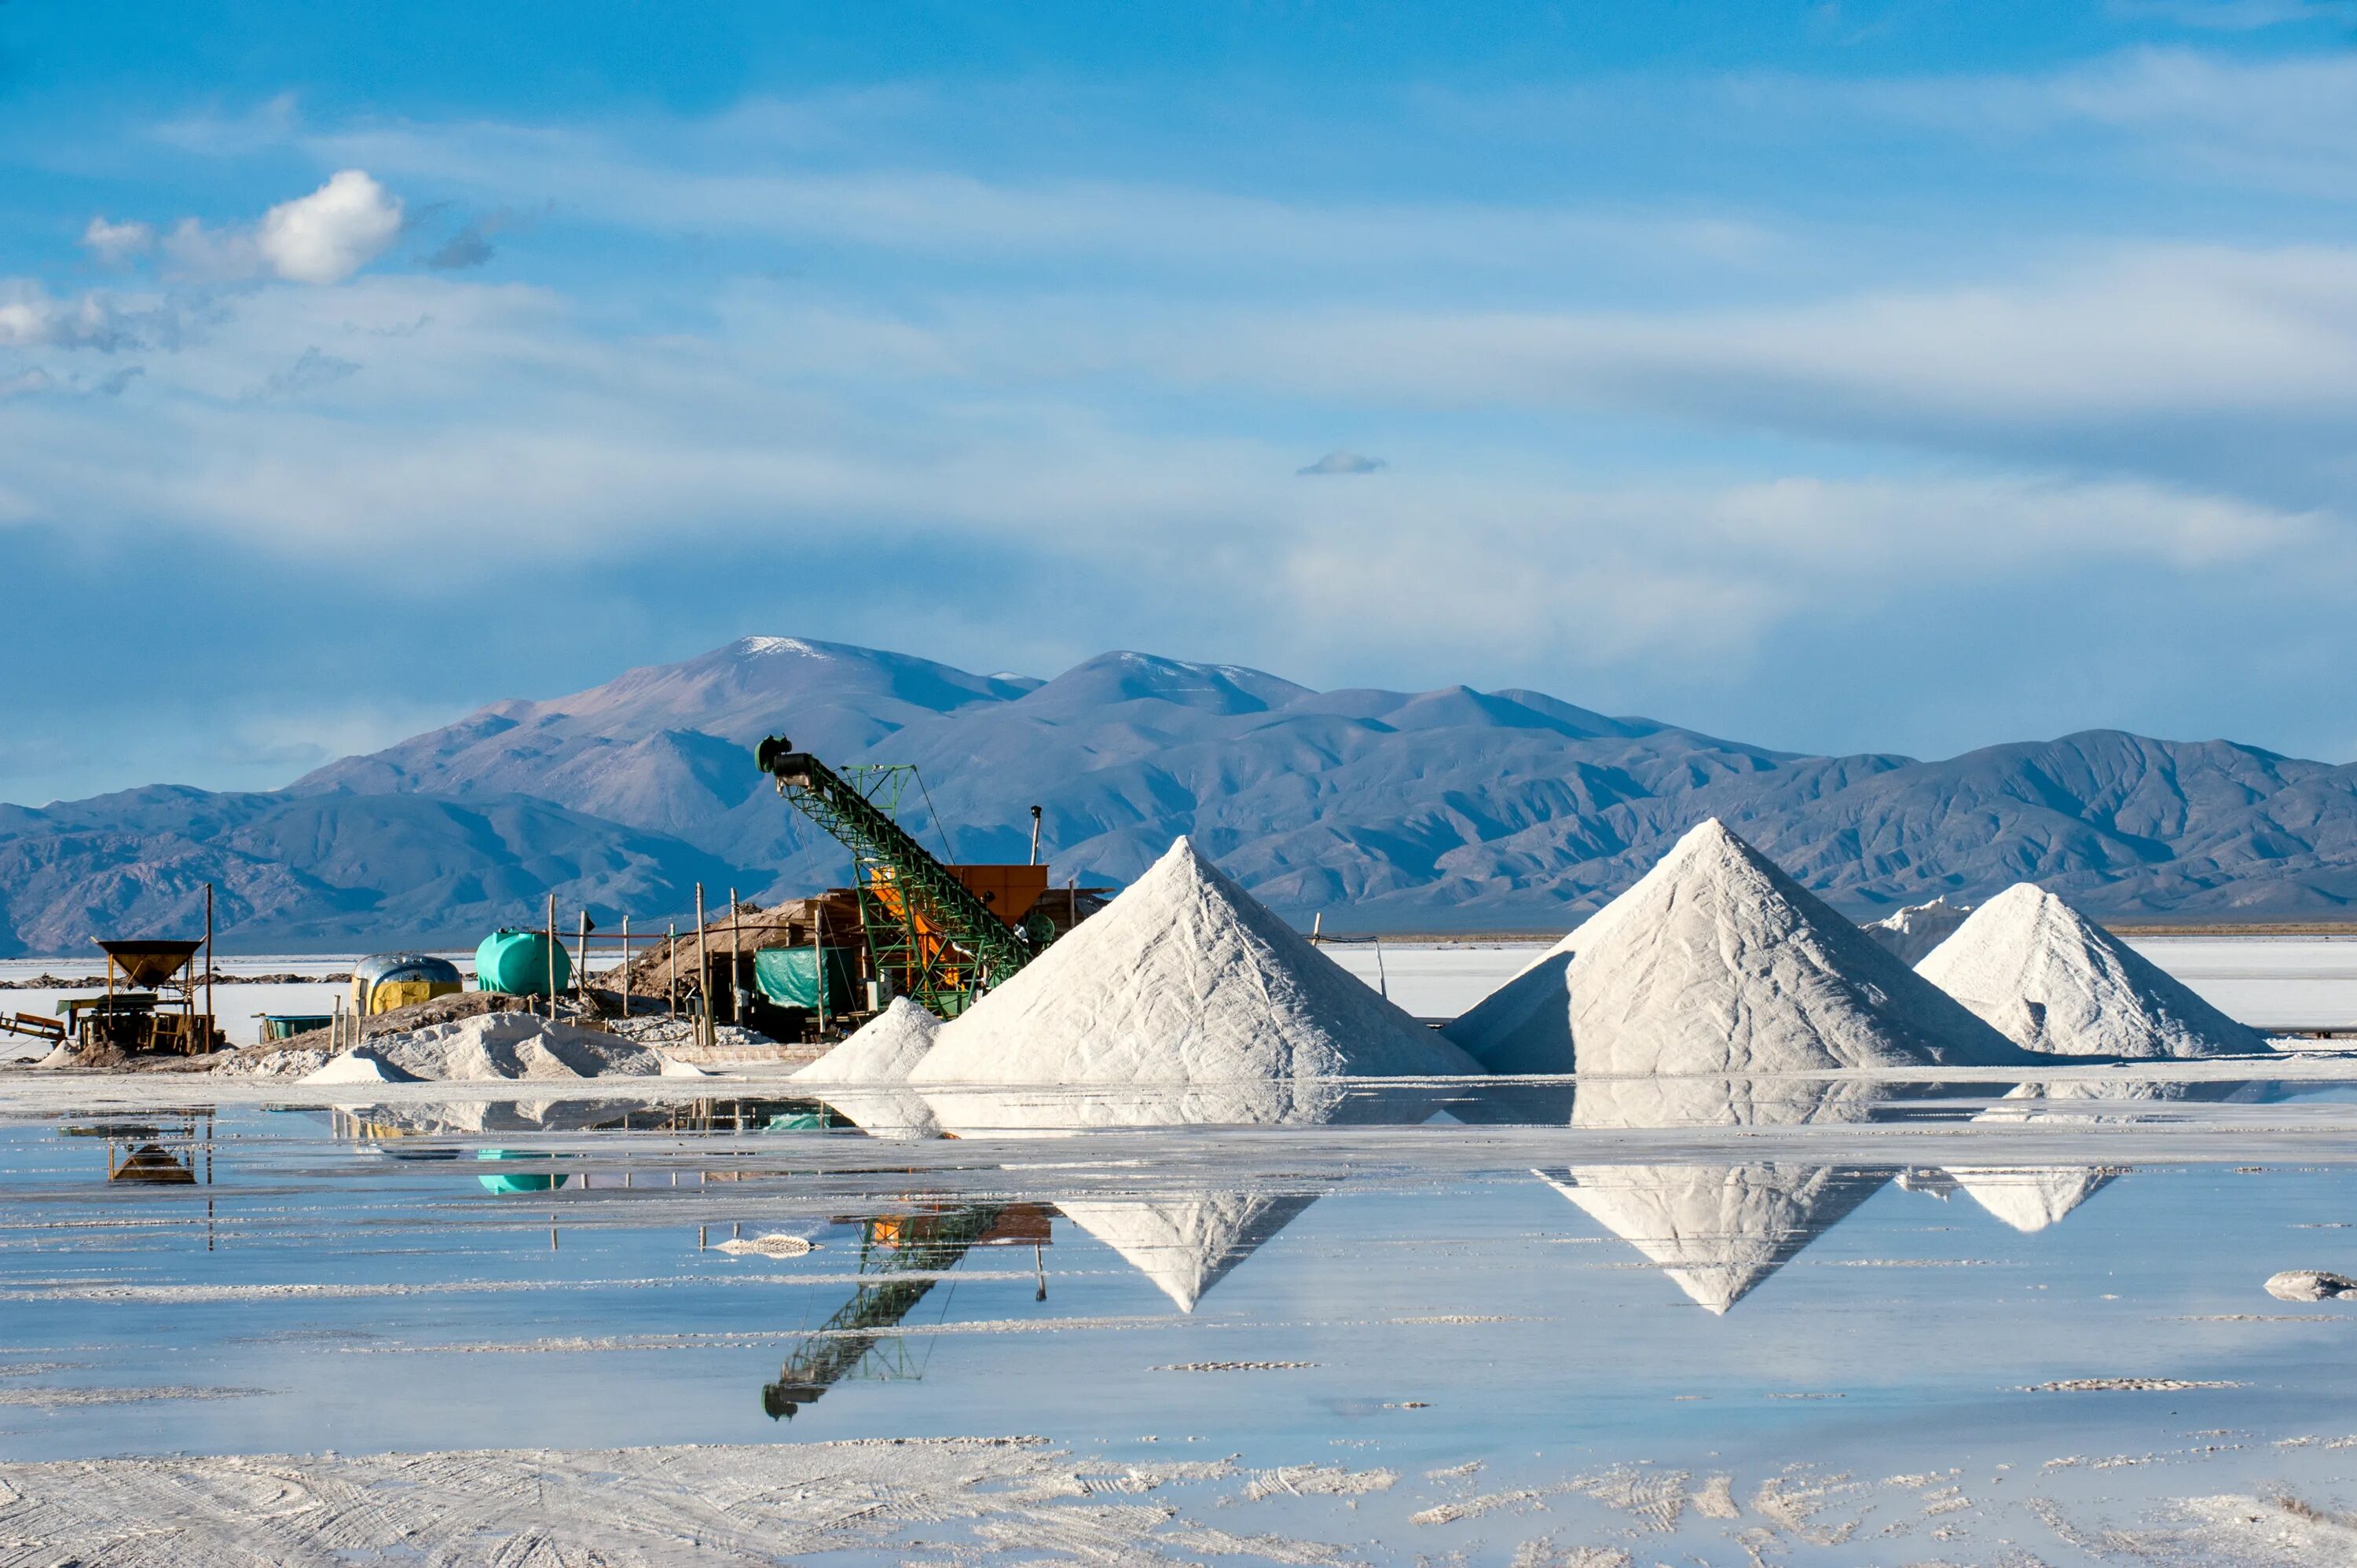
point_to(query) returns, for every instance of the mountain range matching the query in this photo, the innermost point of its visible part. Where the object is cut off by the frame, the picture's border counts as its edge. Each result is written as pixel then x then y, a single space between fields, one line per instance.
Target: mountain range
pixel 1383 810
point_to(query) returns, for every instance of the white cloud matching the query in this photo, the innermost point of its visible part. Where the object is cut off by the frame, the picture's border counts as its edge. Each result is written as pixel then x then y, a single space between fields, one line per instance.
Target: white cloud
pixel 330 234
pixel 31 319
pixel 114 244
pixel 505 431
pixel 943 212
pixel 322 238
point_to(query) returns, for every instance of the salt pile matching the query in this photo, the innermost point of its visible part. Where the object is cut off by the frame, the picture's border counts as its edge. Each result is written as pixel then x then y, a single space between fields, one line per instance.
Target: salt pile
pixel 1187 1246
pixel 1184 979
pixel 487 1048
pixel 865 1077
pixel 356 1066
pixel 2054 981
pixel 1908 935
pixel 1717 963
pixel 881 1050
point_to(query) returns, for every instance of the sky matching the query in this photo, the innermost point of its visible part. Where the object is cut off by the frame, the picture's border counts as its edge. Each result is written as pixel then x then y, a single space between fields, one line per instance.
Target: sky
pixel 1906 376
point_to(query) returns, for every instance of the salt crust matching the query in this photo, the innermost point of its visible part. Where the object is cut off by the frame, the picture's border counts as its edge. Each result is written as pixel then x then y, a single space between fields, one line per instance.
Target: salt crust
pixel 1718 962
pixel 1184 979
pixel 1908 935
pixel 2054 981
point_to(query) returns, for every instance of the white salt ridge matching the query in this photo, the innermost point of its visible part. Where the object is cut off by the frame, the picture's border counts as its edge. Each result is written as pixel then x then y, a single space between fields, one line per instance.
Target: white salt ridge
pixel 1186 1246
pixel 2054 981
pixel 1908 935
pixel 1718 962
pixel 1183 979
pixel 865 1076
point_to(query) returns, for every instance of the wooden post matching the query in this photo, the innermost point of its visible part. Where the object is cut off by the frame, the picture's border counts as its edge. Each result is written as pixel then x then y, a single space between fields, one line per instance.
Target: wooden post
pixel 735 956
pixel 818 964
pixel 625 987
pixel 209 966
pixel 581 964
pixel 703 975
pixel 552 957
pixel 671 968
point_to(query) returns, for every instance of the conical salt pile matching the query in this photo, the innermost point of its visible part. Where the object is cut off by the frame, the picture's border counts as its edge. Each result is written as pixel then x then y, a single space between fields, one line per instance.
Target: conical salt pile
pixel 2055 981
pixel 1908 935
pixel 882 1050
pixel 1716 962
pixel 865 1077
pixel 1184 979
pixel 1187 1246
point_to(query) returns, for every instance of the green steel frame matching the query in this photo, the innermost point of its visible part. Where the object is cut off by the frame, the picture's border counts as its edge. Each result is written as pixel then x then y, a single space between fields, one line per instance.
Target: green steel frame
pixel 972 948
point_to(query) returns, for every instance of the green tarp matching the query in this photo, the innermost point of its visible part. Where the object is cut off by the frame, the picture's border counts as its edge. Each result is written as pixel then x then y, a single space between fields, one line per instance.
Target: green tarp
pixel 790 977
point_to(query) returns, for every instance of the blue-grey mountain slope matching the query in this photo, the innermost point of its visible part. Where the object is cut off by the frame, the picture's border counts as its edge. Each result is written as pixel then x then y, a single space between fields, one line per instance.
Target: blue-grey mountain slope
pixel 1451 809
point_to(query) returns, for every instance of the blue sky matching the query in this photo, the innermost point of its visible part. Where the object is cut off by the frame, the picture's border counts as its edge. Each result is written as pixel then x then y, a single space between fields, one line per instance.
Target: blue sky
pixel 1894 377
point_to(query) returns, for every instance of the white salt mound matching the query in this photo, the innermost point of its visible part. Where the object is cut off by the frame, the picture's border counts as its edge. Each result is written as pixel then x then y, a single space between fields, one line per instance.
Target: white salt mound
pixel 505 1046
pixel 1184 978
pixel 881 1050
pixel 2053 980
pixel 865 1077
pixel 1716 962
pixel 1908 935
pixel 356 1066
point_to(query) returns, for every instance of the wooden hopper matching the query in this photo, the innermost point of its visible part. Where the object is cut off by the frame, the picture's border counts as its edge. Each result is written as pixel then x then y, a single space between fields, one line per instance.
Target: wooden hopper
pixel 148 964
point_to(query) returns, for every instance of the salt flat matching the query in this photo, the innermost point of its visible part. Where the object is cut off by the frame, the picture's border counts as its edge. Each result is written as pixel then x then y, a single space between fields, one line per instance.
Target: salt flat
pixel 1843 1317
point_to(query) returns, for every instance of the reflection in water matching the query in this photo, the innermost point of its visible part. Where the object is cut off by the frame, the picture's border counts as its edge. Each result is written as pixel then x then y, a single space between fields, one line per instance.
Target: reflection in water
pixel 1188 1245
pixel 906 1253
pixel 2031 1197
pixel 1718 1231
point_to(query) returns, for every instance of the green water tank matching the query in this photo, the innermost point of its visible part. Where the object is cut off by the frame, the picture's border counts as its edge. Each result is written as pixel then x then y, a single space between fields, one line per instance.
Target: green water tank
pixel 516 963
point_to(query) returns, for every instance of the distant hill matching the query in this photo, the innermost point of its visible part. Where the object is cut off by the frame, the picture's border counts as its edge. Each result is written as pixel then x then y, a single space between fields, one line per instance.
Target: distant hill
pixel 1452 808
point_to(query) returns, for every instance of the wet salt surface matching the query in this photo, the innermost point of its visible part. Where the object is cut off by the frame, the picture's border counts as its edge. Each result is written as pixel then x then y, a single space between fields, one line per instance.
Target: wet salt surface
pixel 1405 1340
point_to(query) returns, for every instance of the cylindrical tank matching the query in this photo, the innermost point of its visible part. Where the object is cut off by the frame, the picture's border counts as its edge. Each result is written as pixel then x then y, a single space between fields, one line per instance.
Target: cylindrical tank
pixel 516 963
pixel 395 980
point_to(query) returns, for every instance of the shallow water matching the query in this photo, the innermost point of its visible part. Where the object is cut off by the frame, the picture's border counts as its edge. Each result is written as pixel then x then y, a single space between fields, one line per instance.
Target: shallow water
pixel 1498 1321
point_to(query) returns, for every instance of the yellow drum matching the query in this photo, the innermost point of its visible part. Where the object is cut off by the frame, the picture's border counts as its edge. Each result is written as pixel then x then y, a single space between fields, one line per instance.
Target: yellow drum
pixel 389 981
